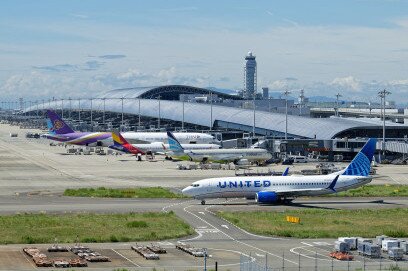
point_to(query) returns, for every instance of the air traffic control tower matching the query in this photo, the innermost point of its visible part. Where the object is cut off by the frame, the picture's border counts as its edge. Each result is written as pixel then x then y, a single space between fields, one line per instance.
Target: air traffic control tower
pixel 249 76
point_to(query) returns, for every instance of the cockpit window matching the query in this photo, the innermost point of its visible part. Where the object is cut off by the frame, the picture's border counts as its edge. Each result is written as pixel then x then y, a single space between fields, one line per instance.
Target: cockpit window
pixel 195 185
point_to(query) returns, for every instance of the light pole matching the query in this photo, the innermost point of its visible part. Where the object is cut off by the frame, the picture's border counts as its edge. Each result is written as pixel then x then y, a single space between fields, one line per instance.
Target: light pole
pixel 62 108
pixel 103 116
pixel 70 107
pixel 91 114
pixel 211 113
pixel 254 120
pixel 138 125
pixel 338 95
pixel 79 109
pixel 286 93
pixel 158 120
pixel 382 94
pixel 182 122
pixel 122 110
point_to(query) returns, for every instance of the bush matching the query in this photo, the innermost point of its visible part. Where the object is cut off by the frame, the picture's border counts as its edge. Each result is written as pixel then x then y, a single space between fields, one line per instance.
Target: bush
pixel 137 224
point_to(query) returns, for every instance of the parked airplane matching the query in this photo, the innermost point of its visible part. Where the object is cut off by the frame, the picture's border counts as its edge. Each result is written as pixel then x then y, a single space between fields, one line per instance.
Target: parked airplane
pixel 60 131
pixel 161 137
pixel 282 189
pixel 121 144
pixel 235 155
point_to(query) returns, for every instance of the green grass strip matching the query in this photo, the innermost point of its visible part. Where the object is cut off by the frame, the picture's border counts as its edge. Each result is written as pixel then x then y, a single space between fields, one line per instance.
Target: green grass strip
pixel 142 192
pixel 375 191
pixel 91 228
pixel 323 223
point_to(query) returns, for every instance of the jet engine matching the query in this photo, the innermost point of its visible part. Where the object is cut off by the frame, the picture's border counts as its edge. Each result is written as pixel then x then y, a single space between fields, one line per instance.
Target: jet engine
pixel 266 197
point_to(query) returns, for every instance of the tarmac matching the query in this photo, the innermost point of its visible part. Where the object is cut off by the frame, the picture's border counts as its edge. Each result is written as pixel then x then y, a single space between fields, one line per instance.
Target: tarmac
pixel 34 175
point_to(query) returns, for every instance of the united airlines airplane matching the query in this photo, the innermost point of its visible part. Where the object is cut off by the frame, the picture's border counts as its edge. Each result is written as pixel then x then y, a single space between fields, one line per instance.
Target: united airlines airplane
pixel 283 189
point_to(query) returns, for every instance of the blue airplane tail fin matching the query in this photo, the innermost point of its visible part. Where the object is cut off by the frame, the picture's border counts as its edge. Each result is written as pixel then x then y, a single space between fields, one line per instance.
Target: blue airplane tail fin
pixel 174 144
pixel 286 172
pixel 361 164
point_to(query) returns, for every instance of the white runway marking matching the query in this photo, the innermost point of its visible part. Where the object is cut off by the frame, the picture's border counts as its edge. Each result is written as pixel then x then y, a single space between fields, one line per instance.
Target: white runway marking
pixel 232 238
pixel 135 264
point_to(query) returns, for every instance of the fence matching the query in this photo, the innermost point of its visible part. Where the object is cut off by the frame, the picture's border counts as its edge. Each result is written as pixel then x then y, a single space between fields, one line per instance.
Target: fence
pixel 297 262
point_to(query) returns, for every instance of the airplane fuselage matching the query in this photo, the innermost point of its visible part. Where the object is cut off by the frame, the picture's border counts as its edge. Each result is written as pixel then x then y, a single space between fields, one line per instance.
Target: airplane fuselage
pixel 229 154
pixel 247 187
pixel 83 138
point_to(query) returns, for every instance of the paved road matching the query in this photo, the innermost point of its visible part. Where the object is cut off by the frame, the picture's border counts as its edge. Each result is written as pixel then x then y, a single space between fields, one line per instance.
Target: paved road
pixel 213 232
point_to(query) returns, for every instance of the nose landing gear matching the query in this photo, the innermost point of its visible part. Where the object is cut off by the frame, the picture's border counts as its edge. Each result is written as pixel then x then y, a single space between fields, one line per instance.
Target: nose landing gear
pixel 203 202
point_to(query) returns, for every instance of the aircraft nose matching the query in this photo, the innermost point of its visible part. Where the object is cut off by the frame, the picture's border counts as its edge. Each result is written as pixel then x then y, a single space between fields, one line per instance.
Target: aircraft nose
pixel 186 191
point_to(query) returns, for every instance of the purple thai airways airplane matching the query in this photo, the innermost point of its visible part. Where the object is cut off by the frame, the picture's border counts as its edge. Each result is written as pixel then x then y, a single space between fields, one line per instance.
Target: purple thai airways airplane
pixel 60 131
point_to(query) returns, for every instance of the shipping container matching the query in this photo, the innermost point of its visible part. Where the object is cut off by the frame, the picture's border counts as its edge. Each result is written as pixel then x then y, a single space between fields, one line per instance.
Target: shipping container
pixel 341 246
pixel 395 253
pixel 352 241
pixel 380 238
pixel 373 251
pixel 387 244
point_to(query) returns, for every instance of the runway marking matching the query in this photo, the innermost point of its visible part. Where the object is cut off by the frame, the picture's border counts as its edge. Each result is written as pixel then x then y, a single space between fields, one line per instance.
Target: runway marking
pixel 394 180
pixel 244 231
pixel 193 238
pixel 309 257
pixel 201 213
pixel 322 244
pixel 165 243
pixel 135 264
pixel 232 238
pixel 208 230
pixel 307 244
pixel 28 260
pixel 164 209
pixel 225 226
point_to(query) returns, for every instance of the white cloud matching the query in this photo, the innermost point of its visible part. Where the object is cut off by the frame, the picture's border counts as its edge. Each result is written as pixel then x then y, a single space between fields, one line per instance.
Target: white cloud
pixel 348 82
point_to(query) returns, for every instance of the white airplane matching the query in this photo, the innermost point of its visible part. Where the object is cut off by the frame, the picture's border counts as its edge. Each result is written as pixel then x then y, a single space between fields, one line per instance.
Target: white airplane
pixel 235 155
pixel 161 137
pixel 121 144
pixel 282 189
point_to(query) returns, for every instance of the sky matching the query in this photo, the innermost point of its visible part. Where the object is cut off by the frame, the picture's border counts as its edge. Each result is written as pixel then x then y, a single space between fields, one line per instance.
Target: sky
pixel 82 48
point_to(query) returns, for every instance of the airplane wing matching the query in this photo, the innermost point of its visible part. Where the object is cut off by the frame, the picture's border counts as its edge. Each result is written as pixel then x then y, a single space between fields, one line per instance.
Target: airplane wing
pixel 302 191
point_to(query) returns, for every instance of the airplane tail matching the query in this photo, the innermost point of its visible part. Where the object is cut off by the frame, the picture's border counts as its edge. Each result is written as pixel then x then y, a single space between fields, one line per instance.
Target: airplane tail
pixel 119 143
pixel 56 125
pixel 360 166
pixel 174 144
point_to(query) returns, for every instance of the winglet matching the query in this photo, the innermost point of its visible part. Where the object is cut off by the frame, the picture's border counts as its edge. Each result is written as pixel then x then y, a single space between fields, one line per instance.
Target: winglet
pixel 174 144
pixel 285 173
pixel 333 184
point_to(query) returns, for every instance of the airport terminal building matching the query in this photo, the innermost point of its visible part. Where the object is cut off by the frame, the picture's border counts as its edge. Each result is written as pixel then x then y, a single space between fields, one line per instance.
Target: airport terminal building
pixel 187 107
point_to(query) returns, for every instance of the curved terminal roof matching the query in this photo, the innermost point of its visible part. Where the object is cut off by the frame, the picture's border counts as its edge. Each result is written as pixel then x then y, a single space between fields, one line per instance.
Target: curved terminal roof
pixel 236 118
pixel 168 92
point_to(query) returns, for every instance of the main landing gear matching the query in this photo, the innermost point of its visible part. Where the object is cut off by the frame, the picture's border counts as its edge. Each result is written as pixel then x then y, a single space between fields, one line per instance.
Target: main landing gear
pixel 203 202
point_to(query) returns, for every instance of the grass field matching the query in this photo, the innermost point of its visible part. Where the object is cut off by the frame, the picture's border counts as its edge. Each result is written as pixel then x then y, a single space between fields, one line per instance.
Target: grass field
pixel 89 228
pixel 323 223
pixel 375 191
pixel 141 192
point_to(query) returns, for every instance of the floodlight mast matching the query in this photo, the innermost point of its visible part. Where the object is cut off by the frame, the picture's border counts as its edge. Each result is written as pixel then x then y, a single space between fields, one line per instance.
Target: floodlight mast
pixel 382 94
